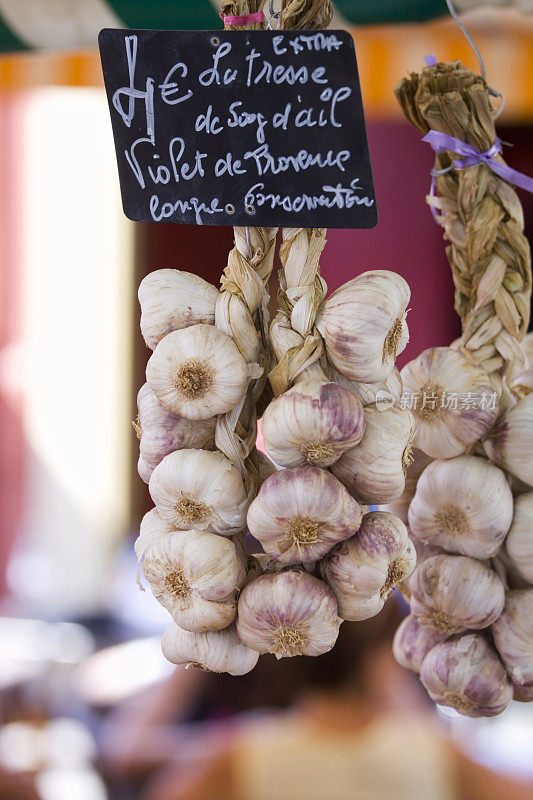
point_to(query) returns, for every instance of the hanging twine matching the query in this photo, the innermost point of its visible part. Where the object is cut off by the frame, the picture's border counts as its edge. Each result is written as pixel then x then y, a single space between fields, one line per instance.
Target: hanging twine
pixel 297 344
pixel 480 213
pixel 241 309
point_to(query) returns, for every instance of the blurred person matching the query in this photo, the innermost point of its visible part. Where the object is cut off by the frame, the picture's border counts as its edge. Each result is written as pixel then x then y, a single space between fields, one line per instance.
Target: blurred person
pixel 358 729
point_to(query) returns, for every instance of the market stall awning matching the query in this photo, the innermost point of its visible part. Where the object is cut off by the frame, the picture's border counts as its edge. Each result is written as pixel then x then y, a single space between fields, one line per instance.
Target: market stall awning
pixel 38 24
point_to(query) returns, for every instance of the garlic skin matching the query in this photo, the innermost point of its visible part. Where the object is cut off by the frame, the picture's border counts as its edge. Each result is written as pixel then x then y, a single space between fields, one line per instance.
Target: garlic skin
pixel 525 379
pixel 466 674
pixel 171 299
pixel 374 471
pixel 463 505
pixel 389 390
pixel 162 432
pixel 196 576
pixel 510 443
pixel 213 651
pixel 152 528
pixel 300 514
pixel 519 542
pixel 288 614
pixel 413 641
pixel 363 325
pixel 364 570
pixel 437 379
pixel 400 506
pixel 200 489
pixel 453 593
pixel 198 372
pixel 513 637
pixel 312 424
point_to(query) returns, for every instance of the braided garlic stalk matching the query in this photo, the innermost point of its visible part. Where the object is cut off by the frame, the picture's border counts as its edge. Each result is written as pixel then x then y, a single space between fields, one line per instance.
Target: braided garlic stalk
pixel 473 537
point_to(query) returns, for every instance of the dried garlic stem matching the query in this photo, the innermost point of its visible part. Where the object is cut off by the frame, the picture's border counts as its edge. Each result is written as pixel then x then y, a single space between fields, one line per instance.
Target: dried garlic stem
pixel 481 216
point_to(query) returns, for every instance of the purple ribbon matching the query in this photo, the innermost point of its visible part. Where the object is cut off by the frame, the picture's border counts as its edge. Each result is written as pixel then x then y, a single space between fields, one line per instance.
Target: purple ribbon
pixel 441 142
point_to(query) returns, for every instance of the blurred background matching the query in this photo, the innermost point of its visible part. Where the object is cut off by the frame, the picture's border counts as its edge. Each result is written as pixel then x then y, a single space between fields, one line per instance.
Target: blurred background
pixel 89 709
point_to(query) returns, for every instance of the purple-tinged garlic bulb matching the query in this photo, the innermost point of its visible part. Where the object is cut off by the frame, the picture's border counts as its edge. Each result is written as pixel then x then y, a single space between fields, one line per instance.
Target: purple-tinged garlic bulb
pixel 300 514
pixel 513 637
pixel 365 569
pixel 454 402
pixel 196 576
pixel 161 432
pixel 313 423
pixel 466 674
pixel 374 471
pixel 384 392
pixel 463 505
pixel 413 641
pixel 510 443
pixel 200 489
pixel 364 325
pixel 400 506
pixel 288 614
pixel 454 593
pixel 213 651
pixel 171 299
pixel 519 542
pixel 198 372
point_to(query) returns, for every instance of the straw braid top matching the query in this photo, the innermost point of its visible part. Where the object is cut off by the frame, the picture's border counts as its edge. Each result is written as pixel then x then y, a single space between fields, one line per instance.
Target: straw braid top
pixel 481 216
pixel 240 8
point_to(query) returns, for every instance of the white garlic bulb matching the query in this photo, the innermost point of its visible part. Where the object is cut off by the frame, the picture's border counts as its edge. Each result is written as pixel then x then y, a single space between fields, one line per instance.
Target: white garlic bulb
pixel 519 542
pixel 513 637
pixel 213 651
pixel 363 325
pixel 162 432
pixel 299 514
pixel 171 299
pixel 289 614
pixel 196 576
pixel 374 471
pixel 198 372
pixel 510 443
pixel 400 506
pixel 313 423
pixel 385 392
pixel 466 674
pixel 413 641
pixel 200 489
pixel 152 528
pixel 453 593
pixel 463 505
pixel 454 402
pixel 365 569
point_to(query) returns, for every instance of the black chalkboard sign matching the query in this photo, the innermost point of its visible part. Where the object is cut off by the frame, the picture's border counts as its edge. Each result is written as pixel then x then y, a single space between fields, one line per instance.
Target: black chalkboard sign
pixel 239 128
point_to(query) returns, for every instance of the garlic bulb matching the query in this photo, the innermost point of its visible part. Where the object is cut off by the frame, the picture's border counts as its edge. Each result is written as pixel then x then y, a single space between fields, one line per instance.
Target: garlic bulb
pixel 200 489
pixel 413 641
pixel 466 674
pixel 288 614
pixel 519 542
pixel 313 423
pixel 374 471
pixel 171 299
pixel 454 402
pixel 363 325
pixel 513 637
pixel 452 593
pixel 162 432
pixel 213 651
pixel 152 528
pixel 388 391
pixel 510 444
pixel 463 505
pixel 525 379
pixel 365 569
pixel 299 514
pixel 196 576
pixel 400 506
pixel 198 372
